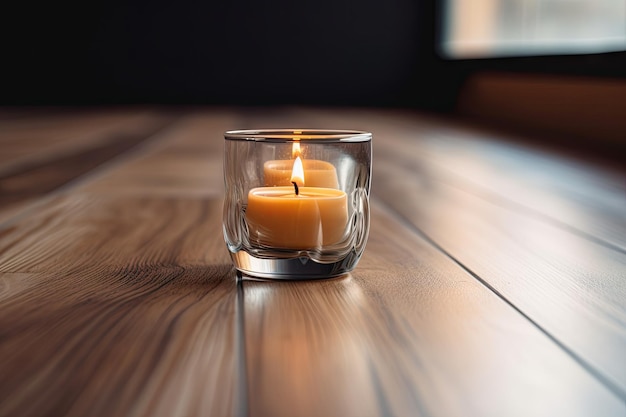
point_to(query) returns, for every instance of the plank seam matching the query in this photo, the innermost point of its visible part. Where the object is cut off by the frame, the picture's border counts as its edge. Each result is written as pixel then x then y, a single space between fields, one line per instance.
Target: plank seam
pixel 240 398
pixel 598 375
pixel 493 197
pixel 504 202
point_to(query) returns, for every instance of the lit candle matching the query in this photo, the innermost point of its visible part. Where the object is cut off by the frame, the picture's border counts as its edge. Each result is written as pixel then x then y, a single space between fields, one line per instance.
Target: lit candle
pixel 318 173
pixel 296 217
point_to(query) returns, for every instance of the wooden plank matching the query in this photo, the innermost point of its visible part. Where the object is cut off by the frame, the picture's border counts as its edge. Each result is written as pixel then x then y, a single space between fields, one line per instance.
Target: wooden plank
pixel 117 306
pixel 561 210
pixel 50 134
pixel 583 198
pixel 579 197
pixel 117 298
pixel 14 112
pixel 571 287
pixel 71 233
pixel 26 183
pixel 186 161
pixel 10 210
pixel 30 137
pixel 121 302
pixel 408 333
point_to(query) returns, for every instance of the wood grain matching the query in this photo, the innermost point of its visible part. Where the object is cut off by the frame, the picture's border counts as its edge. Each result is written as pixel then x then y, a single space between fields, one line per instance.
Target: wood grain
pixel 581 198
pixel 46 135
pixel 540 229
pixel 584 198
pixel 186 160
pixel 122 318
pixel 474 296
pixel 543 231
pixel 409 333
pixel 125 297
pixel 571 287
pixel 54 168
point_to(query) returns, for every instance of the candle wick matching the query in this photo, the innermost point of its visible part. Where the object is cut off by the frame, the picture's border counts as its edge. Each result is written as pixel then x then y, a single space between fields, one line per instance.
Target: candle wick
pixel 295 186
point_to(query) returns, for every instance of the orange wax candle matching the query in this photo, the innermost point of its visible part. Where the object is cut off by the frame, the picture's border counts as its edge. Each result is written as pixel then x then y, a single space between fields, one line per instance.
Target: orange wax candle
pixel 318 173
pixel 279 218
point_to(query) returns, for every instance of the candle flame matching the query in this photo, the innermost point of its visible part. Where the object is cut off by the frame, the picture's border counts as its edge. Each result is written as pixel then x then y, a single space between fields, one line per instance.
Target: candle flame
pixel 297 174
pixel 295 149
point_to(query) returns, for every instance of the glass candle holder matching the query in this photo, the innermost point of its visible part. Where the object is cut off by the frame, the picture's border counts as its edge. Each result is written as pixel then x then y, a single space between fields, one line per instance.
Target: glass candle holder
pixel 297 201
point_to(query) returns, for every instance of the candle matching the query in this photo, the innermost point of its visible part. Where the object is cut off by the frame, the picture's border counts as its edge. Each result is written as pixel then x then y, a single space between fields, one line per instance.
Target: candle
pixel 296 217
pixel 279 218
pixel 318 173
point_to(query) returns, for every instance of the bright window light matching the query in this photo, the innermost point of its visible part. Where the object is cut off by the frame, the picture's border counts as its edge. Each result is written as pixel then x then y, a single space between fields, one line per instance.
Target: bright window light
pixel 493 28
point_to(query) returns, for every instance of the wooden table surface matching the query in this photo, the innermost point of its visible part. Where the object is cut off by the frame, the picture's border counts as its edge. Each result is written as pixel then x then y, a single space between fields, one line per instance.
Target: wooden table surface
pixel 493 282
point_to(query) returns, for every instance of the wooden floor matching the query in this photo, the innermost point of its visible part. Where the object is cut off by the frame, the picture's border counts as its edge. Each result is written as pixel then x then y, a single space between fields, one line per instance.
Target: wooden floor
pixel 493 282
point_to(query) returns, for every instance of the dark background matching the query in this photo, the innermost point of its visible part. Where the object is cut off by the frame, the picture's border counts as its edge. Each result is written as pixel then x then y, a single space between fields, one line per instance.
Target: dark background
pixel 328 52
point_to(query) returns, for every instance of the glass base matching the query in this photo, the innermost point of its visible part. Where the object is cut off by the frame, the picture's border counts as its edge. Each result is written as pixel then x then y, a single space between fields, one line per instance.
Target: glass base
pixel 301 268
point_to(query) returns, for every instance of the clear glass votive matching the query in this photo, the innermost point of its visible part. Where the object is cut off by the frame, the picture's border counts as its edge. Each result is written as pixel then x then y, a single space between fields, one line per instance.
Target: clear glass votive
pixel 297 201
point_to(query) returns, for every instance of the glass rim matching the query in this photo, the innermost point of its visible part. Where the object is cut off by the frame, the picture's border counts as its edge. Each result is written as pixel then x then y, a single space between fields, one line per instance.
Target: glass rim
pixel 294 135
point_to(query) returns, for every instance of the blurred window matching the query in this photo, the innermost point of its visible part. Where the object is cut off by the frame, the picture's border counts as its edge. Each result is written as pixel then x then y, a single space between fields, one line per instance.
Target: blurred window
pixel 495 28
